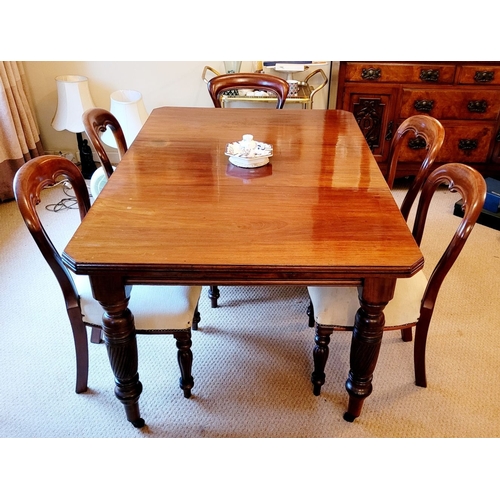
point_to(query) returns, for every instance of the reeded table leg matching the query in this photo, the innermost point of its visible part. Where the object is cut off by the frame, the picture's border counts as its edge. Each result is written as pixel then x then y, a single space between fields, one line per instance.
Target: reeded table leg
pixel 366 341
pixel 120 339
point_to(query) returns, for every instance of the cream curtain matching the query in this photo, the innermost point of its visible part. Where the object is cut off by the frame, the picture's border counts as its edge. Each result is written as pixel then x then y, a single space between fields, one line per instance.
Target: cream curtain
pixel 19 135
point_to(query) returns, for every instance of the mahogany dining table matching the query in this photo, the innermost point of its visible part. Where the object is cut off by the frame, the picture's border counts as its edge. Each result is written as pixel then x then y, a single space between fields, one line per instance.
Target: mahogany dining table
pixel 176 211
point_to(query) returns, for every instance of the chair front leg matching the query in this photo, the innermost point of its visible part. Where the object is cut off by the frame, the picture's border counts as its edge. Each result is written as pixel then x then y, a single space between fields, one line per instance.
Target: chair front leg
pixel 310 314
pixel 320 356
pixel 196 318
pixel 213 295
pixel 406 334
pixel 96 335
pixel 185 360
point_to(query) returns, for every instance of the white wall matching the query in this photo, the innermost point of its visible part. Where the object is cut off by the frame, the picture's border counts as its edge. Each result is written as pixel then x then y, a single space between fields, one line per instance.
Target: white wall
pixel 161 84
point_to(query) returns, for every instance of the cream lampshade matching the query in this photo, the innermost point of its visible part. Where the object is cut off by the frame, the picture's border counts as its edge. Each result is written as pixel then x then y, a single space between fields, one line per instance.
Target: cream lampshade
pixel 128 108
pixel 73 98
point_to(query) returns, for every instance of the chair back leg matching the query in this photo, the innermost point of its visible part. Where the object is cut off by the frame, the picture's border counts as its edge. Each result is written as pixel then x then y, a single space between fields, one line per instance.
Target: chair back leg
pixel 81 348
pixel 421 331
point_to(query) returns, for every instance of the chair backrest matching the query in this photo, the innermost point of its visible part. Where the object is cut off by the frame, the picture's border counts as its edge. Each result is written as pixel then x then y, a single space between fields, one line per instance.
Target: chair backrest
pixel 30 179
pixel 472 187
pixel 258 81
pixel 432 132
pixel 95 121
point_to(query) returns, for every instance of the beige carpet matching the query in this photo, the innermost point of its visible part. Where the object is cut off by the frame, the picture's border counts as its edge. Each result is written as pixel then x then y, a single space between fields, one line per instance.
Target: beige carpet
pixel 252 358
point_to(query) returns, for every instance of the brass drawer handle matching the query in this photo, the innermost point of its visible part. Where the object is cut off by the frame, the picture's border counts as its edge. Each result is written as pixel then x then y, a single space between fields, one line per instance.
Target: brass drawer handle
pixel 371 73
pixel 477 106
pixel 484 76
pixel 417 143
pixel 467 144
pixel 423 105
pixel 429 75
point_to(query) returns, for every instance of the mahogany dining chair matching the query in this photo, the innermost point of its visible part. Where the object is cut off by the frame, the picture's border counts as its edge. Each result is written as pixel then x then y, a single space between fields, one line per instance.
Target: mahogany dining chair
pixel 432 132
pixel 414 298
pixel 96 121
pixel 256 81
pixel 157 309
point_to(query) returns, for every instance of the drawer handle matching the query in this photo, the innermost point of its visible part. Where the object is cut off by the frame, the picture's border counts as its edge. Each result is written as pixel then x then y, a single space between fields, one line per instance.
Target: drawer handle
pixel 423 105
pixel 467 144
pixel 417 143
pixel 429 75
pixel 484 76
pixel 477 106
pixel 371 73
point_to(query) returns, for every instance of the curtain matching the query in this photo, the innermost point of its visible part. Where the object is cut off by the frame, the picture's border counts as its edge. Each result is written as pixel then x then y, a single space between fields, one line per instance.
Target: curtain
pixel 19 134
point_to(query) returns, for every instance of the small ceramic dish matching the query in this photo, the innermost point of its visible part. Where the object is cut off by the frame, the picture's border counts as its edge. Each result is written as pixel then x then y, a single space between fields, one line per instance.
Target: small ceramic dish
pixel 249 153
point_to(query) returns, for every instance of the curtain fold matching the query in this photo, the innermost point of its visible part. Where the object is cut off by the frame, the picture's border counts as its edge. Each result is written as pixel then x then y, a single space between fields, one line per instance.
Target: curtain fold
pixel 19 134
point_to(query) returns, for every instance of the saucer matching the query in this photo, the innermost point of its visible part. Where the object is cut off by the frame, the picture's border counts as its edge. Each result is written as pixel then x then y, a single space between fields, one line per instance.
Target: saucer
pixel 249 153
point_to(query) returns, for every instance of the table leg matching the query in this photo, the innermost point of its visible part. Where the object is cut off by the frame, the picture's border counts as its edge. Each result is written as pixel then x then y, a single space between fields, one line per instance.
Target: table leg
pixel 366 340
pixel 120 339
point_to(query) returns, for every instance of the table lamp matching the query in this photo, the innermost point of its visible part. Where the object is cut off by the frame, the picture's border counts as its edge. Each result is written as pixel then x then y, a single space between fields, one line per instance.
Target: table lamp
pixel 73 98
pixel 128 108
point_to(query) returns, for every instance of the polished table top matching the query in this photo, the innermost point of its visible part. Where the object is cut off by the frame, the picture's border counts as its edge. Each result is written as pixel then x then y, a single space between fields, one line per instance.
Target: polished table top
pixel 175 211
pixel 175 206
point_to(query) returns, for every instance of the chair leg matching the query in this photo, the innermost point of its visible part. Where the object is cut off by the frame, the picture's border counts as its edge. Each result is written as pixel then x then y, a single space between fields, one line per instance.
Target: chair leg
pixel 421 331
pixel 406 334
pixel 81 349
pixel 320 356
pixel 213 295
pixel 310 314
pixel 185 360
pixel 96 335
pixel 196 319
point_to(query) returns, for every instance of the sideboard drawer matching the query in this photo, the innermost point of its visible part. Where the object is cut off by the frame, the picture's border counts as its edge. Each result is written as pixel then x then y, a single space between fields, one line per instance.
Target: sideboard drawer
pixel 400 73
pixel 462 143
pixel 479 75
pixel 442 104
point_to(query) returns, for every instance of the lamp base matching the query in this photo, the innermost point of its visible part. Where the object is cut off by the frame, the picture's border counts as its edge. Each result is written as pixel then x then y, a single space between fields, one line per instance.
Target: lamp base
pixel 86 161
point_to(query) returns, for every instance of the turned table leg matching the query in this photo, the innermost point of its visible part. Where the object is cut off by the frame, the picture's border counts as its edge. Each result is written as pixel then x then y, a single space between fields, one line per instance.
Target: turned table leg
pixel 120 339
pixel 366 341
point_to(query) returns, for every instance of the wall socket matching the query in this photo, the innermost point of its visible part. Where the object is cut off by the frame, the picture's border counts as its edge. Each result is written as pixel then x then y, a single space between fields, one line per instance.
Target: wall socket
pixel 113 156
pixel 70 155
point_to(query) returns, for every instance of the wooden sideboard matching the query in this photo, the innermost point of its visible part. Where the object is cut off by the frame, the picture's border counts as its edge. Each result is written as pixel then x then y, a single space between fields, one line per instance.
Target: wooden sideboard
pixel 463 96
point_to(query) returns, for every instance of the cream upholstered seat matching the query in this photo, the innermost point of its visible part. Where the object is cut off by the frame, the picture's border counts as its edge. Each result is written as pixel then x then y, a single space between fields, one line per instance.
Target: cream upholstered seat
pixel 337 306
pixel 97 182
pixel 156 309
pixel 414 298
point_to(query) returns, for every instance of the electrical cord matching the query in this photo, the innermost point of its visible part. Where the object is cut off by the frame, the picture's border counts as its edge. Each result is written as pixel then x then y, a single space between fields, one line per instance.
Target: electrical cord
pixel 68 203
